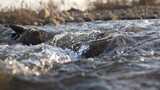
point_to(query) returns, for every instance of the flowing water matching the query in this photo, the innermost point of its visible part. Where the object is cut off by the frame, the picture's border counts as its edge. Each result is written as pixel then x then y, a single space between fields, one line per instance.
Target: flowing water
pixel 98 55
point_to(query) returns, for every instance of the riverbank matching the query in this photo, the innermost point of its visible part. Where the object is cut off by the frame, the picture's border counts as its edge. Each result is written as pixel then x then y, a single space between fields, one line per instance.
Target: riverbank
pixel 45 16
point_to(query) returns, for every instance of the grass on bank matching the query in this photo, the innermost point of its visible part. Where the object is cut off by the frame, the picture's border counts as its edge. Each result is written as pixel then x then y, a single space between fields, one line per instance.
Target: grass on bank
pixel 51 15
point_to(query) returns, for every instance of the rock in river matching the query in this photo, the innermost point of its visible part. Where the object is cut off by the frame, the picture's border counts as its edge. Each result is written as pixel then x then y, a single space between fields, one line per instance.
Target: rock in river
pixel 31 36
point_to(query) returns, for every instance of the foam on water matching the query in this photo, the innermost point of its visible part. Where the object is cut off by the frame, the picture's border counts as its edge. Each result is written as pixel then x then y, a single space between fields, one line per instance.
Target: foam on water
pixel 34 59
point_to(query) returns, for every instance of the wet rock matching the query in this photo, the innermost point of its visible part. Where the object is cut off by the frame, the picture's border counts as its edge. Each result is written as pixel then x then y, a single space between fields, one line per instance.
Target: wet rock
pixel 109 45
pixel 34 37
pixel 31 36
pixel 96 48
pixel 18 28
pixel 73 40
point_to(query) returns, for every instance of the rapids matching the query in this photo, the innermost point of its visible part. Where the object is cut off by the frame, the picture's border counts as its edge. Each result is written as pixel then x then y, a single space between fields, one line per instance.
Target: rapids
pixel 98 55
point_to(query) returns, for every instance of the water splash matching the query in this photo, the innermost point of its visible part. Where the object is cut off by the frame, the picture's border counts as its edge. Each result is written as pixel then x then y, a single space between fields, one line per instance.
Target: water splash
pixel 33 60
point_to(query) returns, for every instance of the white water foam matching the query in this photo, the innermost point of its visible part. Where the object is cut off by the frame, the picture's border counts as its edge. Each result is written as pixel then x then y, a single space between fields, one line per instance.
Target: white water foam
pixel 36 59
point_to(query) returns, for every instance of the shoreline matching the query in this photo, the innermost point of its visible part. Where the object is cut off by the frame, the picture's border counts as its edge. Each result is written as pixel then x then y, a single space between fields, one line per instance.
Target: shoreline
pixel 46 16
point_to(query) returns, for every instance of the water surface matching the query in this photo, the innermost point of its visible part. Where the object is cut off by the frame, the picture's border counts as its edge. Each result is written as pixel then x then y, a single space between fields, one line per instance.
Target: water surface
pixel 99 55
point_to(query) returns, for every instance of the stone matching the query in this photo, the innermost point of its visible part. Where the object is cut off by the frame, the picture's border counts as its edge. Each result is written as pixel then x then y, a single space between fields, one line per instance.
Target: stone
pixel 31 36
pixel 108 45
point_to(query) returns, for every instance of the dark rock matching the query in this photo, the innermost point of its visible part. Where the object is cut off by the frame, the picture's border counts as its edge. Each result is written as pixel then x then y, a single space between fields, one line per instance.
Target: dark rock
pixel 74 41
pixel 95 48
pixel 17 28
pixel 108 45
pixel 34 37
pixel 30 36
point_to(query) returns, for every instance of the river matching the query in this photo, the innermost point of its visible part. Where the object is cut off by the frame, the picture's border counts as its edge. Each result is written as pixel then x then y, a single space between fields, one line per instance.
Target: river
pixel 97 55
